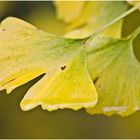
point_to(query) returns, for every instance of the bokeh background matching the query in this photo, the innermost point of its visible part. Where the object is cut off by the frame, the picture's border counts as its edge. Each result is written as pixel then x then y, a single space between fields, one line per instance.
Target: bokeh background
pixel 14 123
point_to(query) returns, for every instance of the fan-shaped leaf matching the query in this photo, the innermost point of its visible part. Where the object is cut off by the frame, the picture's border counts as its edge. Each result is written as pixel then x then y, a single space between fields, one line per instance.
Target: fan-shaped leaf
pixel 116 74
pixel 26 52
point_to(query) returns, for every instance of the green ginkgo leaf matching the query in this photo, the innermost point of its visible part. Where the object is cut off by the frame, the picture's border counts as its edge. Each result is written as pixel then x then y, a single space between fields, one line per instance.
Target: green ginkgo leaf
pixel 116 73
pixel 94 16
pixel 27 52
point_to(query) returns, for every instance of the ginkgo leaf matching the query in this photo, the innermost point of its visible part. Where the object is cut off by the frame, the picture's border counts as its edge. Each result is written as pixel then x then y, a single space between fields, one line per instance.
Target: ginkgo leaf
pixel 116 73
pixel 94 16
pixel 27 52
pixel 68 10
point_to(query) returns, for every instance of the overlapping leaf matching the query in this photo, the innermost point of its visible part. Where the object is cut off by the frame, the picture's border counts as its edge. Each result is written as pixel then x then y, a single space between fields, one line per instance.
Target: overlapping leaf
pixel 106 60
pixel 94 16
pixel 26 52
pixel 116 74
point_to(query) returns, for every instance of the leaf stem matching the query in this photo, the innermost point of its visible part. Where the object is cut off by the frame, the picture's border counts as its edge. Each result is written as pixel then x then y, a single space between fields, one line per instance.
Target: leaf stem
pixel 115 20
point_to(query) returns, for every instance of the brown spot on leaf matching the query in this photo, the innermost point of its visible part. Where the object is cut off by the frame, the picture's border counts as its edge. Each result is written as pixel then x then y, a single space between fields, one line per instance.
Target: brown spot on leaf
pixel 99 85
pixel 3 29
pixel 95 80
pixel 85 44
pixel 63 67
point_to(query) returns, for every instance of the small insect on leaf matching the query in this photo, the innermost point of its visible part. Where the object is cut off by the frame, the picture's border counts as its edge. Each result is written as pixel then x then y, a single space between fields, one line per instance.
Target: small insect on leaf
pixel 118 71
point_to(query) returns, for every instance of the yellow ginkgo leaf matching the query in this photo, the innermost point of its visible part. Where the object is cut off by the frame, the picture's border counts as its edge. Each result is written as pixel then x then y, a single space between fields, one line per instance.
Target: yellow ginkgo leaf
pixel 94 16
pixel 27 52
pixel 116 74
pixel 68 10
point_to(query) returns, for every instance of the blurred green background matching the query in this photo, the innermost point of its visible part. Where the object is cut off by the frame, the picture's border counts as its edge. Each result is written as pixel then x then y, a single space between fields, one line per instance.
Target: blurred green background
pixel 14 123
